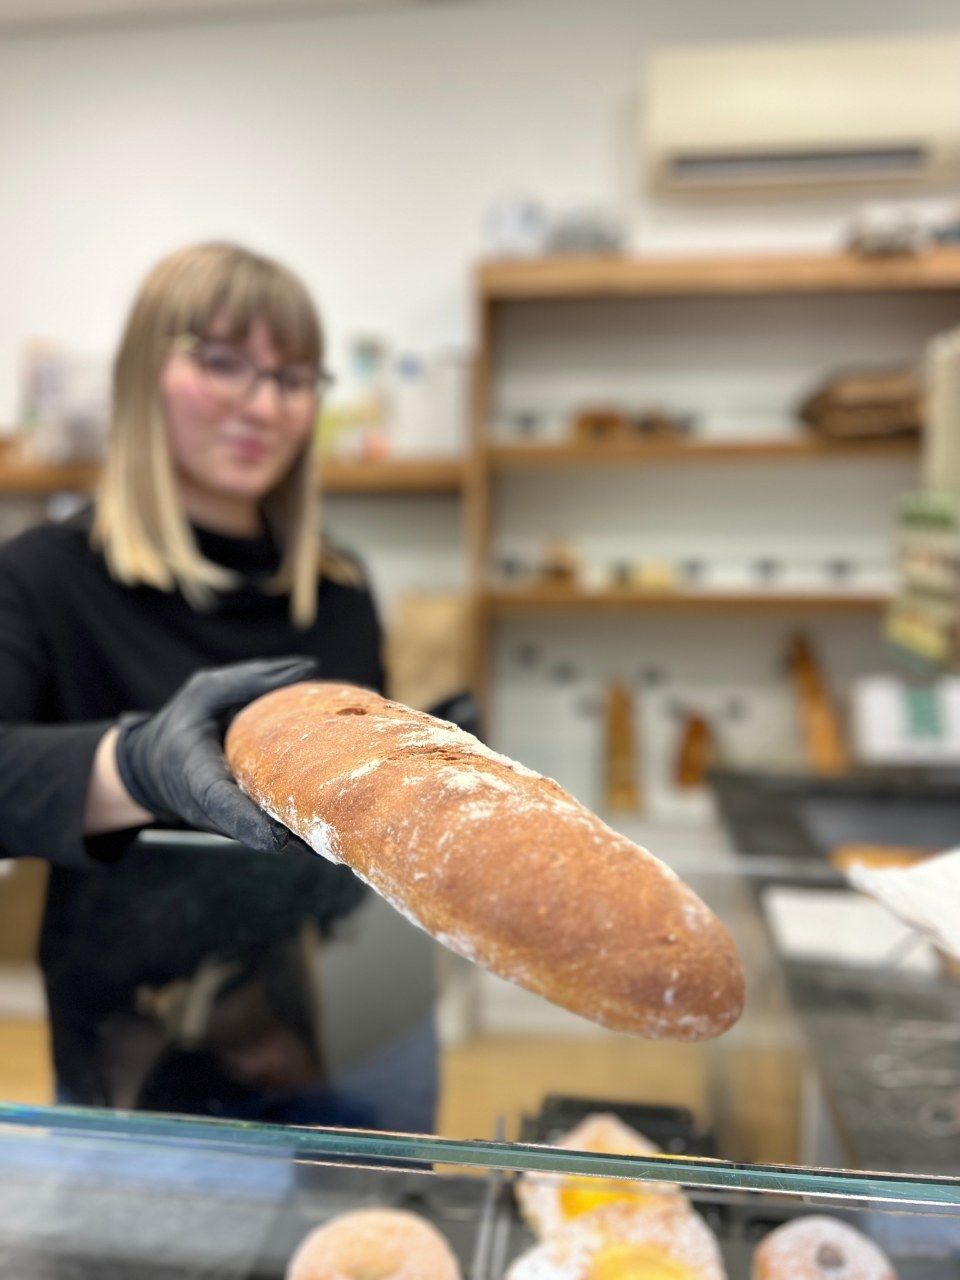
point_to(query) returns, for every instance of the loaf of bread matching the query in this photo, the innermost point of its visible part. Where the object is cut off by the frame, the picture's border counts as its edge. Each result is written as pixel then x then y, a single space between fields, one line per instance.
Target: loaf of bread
pixel 498 863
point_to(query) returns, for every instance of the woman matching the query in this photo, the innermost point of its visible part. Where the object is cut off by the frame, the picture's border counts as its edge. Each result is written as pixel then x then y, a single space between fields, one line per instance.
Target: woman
pixel 176 978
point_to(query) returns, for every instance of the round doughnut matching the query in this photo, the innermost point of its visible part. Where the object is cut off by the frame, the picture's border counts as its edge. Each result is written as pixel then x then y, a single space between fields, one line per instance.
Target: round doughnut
pixel 617 1243
pixel 550 1202
pixel 819 1248
pixel 374 1244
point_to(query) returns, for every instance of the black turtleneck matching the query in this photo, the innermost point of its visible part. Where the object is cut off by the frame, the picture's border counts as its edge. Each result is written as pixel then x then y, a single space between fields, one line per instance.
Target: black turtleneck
pixel 76 650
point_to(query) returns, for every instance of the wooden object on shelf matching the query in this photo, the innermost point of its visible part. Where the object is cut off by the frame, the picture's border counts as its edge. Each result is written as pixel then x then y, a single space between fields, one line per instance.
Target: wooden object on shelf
pixel 621 793
pixel 869 404
pixel 658 424
pixel 644 575
pixel 820 727
pixel 696 753
pixel 601 426
pixel 560 563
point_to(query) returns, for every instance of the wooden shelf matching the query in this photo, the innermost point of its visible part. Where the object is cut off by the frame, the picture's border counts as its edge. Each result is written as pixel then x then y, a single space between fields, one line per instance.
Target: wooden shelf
pixel 20 475
pixel 614 276
pixel 514 600
pixel 510 457
pixel 398 475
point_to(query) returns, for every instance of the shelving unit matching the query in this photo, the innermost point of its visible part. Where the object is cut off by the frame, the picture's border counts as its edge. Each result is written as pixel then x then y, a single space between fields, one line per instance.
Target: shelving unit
pixel 500 285
pixel 549 600
pixel 516 457
pixel 528 280
pixel 29 478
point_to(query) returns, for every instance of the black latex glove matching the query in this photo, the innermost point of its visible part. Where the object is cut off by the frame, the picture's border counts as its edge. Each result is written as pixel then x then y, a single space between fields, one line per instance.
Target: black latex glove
pixel 172 761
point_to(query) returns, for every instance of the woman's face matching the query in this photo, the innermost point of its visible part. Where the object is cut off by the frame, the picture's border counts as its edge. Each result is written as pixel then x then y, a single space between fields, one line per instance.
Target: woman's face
pixel 225 444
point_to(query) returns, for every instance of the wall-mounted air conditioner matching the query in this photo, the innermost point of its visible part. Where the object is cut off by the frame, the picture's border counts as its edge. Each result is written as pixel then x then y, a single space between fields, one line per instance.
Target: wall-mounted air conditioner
pixel 811 113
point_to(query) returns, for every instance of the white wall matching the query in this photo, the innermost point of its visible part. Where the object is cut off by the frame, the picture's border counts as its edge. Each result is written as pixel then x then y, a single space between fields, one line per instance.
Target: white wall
pixel 364 149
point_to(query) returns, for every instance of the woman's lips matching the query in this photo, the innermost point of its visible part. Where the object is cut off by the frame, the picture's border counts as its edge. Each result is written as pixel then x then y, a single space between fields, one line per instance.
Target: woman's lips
pixel 249 448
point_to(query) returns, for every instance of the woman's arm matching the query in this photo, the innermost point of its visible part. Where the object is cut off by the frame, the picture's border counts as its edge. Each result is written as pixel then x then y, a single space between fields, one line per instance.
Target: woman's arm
pixel 52 776
pixel 109 805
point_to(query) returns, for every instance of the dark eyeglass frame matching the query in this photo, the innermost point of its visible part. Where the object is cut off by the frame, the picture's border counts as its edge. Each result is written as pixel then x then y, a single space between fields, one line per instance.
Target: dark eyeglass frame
pixel 192 344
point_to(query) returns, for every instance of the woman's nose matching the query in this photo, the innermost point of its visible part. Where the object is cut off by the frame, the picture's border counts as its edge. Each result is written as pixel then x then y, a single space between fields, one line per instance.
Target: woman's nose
pixel 264 400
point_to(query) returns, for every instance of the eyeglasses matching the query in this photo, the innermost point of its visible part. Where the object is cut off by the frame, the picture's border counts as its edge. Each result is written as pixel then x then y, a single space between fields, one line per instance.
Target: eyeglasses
pixel 232 376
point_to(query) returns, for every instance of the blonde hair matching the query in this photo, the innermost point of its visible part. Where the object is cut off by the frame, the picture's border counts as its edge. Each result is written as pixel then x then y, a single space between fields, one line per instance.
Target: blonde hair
pixel 139 521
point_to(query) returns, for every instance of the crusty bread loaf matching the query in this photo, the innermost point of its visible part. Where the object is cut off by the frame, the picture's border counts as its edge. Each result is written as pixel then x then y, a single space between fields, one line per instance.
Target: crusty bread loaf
pixel 495 861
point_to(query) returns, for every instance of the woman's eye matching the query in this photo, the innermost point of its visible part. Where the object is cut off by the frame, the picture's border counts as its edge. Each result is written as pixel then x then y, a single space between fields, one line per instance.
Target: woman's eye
pixel 222 362
pixel 295 380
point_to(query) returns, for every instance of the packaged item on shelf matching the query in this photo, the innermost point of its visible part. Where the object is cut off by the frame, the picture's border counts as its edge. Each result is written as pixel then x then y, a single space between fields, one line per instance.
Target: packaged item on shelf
pixel 655 424
pixel 601 425
pixel 448 373
pixel 895 721
pixel 866 404
pixel 516 227
pixel 887 228
pixel 64 404
pixel 645 575
pixel 608 424
pixel 941 440
pixel 924 617
pixel 585 231
pixel 354 419
pixel 410 422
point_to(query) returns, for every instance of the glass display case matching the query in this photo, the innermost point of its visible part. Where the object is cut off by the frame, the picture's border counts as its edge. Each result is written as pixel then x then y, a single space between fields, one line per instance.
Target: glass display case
pixel 106 1195
pixel 846 1061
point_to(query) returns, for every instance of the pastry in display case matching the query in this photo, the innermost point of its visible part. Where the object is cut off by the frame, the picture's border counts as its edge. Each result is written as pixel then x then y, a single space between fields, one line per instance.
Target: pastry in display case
pixel 385 1244
pixel 550 1204
pixel 619 1242
pixel 820 1248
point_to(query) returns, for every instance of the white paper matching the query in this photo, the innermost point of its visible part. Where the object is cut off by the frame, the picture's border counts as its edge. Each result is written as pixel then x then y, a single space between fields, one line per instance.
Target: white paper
pixel 926 897
pixel 838 927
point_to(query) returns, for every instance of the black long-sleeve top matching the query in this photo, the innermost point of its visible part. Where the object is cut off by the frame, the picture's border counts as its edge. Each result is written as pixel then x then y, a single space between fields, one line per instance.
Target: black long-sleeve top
pixel 76 650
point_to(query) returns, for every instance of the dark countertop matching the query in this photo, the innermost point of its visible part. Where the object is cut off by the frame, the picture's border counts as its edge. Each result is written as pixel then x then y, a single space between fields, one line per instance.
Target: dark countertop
pixel 886 1042
pixel 887 1046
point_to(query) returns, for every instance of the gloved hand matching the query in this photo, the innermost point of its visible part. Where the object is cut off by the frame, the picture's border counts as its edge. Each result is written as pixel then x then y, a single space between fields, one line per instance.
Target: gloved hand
pixel 172 762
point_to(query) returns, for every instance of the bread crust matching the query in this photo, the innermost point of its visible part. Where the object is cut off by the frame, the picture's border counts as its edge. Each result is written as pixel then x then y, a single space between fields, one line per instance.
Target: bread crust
pixel 495 861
